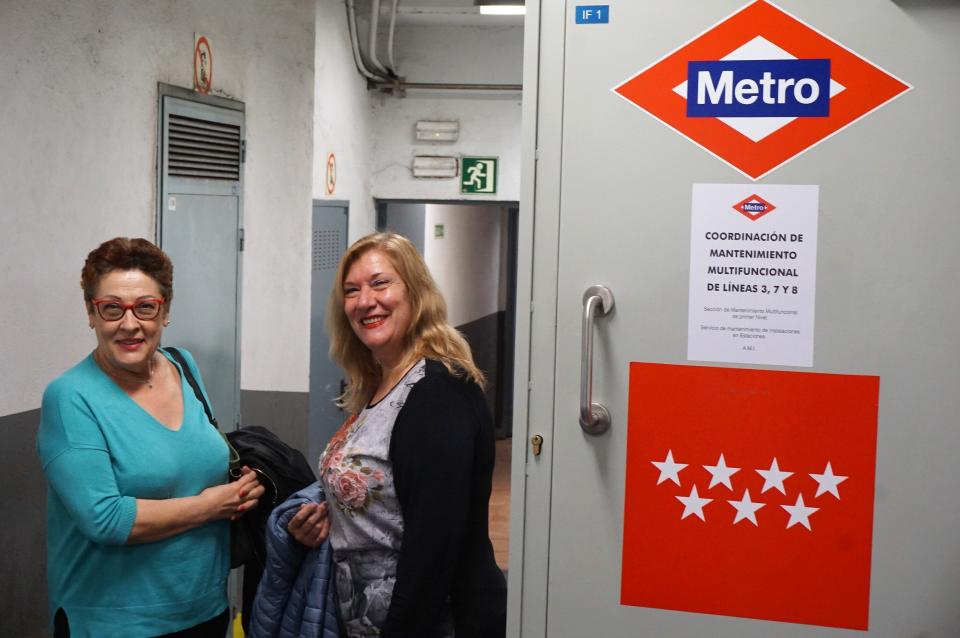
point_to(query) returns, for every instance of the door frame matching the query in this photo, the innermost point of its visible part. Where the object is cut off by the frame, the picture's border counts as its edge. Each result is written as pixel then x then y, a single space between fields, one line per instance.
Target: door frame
pixel 536 292
pixel 512 208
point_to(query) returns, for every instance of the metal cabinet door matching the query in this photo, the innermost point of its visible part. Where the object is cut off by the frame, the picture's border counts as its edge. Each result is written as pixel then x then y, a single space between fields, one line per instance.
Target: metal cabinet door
pixel 613 197
pixel 326 377
pixel 200 229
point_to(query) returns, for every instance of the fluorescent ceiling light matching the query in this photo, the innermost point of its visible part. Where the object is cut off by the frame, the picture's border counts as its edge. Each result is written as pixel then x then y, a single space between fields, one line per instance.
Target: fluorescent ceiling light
pixel 435 166
pixel 437 131
pixel 503 9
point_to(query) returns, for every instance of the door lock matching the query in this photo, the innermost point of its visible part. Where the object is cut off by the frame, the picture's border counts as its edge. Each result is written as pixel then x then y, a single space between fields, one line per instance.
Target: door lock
pixel 536 442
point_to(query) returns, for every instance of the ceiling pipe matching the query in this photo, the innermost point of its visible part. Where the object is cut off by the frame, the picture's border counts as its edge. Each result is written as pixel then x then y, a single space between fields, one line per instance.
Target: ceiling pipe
pixel 372 41
pixel 357 54
pixel 401 86
pixel 393 24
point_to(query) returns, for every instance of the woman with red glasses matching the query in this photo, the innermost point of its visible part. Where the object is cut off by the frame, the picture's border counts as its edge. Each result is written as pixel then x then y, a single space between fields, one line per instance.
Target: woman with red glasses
pixel 138 501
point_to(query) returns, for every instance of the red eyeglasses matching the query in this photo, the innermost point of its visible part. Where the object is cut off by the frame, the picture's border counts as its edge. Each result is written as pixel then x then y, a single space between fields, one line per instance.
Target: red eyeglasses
pixel 113 310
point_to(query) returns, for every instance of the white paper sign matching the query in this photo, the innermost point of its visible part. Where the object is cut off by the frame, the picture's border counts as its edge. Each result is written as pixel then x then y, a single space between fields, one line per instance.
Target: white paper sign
pixel 753 273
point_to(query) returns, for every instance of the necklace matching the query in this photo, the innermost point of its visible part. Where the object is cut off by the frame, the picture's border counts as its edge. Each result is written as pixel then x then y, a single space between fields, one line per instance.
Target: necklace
pixel 389 382
pixel 131 376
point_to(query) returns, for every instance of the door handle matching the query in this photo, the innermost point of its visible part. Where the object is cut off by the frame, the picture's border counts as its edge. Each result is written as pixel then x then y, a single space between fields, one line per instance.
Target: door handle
pixel 594 417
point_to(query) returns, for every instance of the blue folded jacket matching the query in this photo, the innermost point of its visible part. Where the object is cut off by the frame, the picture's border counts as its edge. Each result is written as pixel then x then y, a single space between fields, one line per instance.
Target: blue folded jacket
pixel 295 598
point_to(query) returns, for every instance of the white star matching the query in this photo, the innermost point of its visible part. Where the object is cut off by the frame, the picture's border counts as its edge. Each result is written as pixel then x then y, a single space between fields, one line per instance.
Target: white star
pixel 720 473
pixel 746 509
pixel 693 504
pixel 828 482
pixel 799 513
pixel 773 477
pixel 669 469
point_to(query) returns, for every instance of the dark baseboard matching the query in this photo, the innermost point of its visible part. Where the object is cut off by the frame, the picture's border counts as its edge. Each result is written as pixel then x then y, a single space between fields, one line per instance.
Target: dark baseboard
pixel 23 563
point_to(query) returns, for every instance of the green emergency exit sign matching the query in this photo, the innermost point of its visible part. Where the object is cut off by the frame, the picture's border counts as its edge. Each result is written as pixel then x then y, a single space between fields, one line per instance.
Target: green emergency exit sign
pixel 478 174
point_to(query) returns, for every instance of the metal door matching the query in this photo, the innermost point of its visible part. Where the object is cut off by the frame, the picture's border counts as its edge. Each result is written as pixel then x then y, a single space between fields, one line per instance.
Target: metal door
pixel 326 378
pixel 613 207
pixel 199 228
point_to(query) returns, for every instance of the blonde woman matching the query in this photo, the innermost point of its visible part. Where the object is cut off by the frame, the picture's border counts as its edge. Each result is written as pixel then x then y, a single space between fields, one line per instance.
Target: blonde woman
pixel 408 475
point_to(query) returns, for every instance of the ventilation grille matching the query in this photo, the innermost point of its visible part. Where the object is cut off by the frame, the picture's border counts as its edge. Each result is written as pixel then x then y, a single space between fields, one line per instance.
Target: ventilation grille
pixel 203 149
pixel 326 249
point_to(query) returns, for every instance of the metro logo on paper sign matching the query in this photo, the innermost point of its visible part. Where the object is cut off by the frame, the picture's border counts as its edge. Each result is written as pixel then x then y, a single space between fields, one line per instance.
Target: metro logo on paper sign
pixel 750 493
pixel 754 207
pixel 760 88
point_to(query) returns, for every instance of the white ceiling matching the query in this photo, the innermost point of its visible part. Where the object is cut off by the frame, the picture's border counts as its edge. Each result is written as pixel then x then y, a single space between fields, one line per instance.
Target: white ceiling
pixel 440 12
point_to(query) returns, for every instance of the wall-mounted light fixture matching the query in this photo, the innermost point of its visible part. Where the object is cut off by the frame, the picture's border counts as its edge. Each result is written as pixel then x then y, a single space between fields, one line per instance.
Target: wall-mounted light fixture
pixel 501 7
pixel 435 166
pixel 437 131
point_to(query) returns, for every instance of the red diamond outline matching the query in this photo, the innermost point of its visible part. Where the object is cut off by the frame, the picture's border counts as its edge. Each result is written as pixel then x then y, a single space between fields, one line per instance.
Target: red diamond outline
pixel 754 198
pixel 867 88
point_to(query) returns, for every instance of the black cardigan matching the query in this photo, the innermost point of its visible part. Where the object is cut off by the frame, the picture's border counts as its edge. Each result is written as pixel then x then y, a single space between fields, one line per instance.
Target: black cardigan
pixel 442 451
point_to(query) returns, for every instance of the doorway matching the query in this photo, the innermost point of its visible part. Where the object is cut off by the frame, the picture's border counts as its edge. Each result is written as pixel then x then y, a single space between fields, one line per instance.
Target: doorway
pixel 470 249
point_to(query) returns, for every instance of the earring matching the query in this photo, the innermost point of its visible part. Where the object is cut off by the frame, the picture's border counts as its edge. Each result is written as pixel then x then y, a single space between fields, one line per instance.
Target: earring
pixel 165 323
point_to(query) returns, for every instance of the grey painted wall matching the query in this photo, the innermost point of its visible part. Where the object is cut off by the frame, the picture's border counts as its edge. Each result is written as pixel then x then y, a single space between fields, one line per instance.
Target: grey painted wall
pixel 405 219
pixel 285 413
pixel 23 561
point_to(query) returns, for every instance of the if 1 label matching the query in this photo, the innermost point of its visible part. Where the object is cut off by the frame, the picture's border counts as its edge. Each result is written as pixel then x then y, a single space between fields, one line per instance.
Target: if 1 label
pixel 593 14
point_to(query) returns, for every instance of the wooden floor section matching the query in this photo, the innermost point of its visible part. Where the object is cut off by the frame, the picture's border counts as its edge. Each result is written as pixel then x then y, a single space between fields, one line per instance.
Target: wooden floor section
pixel 500 504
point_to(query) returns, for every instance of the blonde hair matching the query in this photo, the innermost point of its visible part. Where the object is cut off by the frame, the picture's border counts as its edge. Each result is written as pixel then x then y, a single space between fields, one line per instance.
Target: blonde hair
pixel 428 335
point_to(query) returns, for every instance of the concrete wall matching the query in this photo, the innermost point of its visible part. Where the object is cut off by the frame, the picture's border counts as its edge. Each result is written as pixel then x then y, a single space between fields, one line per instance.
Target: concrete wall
pixel 277 47
pixel 78 133
pixel 342 120
pixel 489 122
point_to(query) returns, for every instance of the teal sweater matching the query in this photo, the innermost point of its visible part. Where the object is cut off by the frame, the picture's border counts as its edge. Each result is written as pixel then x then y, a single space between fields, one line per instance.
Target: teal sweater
pixel 100 452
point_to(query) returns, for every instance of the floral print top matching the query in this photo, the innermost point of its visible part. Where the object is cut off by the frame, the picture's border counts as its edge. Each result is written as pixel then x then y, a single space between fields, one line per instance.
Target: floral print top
pixel 366 521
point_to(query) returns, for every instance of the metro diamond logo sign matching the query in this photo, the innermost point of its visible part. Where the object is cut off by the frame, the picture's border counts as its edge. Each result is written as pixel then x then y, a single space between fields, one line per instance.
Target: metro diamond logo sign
pixel 760 88
pixel 754 207
pixel 750 493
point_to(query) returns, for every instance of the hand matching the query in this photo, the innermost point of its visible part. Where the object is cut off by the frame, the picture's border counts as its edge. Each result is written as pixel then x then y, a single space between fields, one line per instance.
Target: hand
pixel 231 500
pixel 250 491
pixel 311 525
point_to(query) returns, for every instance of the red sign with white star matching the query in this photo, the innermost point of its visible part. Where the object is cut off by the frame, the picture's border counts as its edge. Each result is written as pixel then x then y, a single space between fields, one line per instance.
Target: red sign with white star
pixel 750 493
pixel 760 88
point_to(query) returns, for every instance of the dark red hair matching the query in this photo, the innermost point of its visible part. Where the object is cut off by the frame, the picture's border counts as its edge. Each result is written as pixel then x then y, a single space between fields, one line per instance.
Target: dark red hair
pixel 126 253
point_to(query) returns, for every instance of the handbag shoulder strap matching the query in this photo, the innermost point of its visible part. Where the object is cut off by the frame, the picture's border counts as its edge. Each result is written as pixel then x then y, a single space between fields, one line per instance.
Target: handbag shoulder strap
pixel 188 375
